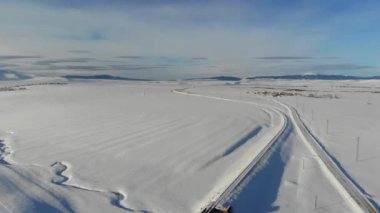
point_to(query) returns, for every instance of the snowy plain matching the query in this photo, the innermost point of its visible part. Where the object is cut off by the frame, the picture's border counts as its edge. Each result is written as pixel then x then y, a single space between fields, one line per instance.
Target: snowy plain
pixel 119 146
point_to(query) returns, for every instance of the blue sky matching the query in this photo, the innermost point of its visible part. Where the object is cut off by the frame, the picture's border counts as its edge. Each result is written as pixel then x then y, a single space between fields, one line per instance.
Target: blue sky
pixel 169 39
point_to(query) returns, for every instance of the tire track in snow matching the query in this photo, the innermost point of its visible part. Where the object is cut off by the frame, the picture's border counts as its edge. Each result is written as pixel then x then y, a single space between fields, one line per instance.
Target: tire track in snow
pixel 117 142
pixel 117 197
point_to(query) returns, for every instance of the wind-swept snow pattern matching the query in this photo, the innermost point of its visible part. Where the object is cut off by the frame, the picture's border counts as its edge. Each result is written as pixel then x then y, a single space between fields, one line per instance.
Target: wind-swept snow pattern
pixel 134 146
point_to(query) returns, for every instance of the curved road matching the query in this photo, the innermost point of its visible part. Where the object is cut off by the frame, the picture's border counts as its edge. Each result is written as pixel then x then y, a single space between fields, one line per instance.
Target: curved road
pixel 339 177
pixel 219 201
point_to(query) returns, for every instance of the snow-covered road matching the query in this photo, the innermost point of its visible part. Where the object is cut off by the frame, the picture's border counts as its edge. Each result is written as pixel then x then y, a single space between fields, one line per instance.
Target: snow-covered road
pixel 344 184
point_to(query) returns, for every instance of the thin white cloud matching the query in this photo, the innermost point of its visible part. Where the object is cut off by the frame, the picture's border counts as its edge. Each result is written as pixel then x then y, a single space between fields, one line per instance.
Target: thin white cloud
pixel 227 34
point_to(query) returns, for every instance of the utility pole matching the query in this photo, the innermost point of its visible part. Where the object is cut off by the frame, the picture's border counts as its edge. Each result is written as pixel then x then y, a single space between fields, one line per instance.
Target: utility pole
pixel 316 202
pixel 303 107
pixel 357 148
pixel 312 114
pixel 327 126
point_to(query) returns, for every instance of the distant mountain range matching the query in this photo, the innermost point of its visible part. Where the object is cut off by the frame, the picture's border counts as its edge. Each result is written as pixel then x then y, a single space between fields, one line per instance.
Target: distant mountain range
pixel 233 78
pixel 218 78
pixel 101 77
pixel 9 75
pixel 315 77
pixel 308 76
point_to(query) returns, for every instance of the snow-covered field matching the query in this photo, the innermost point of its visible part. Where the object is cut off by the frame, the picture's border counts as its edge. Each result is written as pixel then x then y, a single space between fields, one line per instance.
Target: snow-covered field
pixel 119 146
pixel 341 122
pixel 338 113
pixel 162 151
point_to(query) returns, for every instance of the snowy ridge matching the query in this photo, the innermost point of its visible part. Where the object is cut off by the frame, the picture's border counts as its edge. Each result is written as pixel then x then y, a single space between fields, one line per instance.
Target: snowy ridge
pixel 314 76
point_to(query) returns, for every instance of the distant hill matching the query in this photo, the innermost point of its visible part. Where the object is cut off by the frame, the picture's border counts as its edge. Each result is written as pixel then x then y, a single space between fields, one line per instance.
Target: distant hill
pixel 218 78
pixel 316 77
pixel 101 77
pixel 10 75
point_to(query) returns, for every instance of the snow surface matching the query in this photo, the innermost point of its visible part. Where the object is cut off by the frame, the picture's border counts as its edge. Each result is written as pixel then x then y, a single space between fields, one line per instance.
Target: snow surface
pixel 339 122
pixel 163 152
pixel 292 177
pixel 101 146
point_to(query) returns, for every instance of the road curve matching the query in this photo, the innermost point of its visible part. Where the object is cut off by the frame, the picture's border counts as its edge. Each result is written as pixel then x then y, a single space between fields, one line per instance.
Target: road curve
pixel 219 201
pixel 343 181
